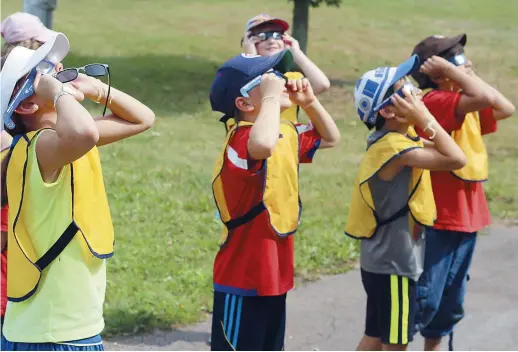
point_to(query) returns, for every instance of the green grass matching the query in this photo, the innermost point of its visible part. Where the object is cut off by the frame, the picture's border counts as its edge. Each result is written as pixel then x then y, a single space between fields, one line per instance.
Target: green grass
pixel 165 52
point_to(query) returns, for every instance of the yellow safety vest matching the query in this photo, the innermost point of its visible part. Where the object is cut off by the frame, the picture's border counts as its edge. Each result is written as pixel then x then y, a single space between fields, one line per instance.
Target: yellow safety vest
pixel 363 220
pixel 90 217
pixel 290 114
pixel 469 139
pixel 280 196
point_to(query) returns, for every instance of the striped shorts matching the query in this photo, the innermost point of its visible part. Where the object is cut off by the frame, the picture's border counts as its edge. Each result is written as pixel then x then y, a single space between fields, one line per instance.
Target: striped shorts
pixel 248 323
pixel 391 307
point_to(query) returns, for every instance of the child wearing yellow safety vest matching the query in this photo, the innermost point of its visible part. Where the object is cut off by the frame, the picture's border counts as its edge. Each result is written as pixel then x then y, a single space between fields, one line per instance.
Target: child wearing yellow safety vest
pixel 392 199
pixel 60 230
pixel 256 189
pixel 266 35
pixel 467 108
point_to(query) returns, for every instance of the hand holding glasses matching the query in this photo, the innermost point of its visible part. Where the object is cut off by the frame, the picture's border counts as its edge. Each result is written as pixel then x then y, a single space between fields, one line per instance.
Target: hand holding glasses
pixel 92 70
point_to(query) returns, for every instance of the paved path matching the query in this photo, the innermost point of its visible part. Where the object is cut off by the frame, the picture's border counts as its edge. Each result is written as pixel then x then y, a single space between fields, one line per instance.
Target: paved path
pixel 329 314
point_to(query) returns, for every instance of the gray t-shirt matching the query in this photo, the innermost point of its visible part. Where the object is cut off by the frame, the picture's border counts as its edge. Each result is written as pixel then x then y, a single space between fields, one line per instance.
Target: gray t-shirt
pixel 395 249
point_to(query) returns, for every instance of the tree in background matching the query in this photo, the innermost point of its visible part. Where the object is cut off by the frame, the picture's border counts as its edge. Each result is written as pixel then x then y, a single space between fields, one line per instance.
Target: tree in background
pixel 301 18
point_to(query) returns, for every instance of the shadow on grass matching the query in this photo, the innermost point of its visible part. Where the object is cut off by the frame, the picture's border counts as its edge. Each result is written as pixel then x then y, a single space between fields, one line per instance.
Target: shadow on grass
pixel 167 84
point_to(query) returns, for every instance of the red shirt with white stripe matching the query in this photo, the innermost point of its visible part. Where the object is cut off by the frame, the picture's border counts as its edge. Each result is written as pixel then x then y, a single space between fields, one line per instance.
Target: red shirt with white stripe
pixel 254 260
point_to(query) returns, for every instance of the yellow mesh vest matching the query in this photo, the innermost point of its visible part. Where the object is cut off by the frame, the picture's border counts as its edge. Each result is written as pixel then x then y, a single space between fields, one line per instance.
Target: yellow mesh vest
pixel 362 221
pixel 281 192
pixel 469 139
pixel 87 217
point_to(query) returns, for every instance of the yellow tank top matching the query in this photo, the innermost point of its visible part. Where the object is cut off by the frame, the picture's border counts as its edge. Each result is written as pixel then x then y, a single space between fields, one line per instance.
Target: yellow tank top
pixel 67 301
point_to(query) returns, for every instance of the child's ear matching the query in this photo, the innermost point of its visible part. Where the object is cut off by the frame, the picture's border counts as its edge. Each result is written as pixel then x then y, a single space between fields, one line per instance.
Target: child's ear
pixel 26 108
pixel 244 104
pixel 387 112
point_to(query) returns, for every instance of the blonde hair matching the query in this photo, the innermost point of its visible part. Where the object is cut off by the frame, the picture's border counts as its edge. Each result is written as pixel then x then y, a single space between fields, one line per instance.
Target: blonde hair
pixel 28 43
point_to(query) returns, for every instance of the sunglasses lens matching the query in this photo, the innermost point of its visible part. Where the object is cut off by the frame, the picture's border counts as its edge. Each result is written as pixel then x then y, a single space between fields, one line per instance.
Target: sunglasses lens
pixel 95 70
pixel 276 35
pixel 66 75
pixel 262 36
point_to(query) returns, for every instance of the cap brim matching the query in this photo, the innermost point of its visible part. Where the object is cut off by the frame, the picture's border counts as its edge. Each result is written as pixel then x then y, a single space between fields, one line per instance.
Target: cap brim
pixel 282 62
pixel 461 39
pixel 405 69
pixel 22 60
pixel 54 50
pixel 46 35
pixel 450 42
pixel 285 26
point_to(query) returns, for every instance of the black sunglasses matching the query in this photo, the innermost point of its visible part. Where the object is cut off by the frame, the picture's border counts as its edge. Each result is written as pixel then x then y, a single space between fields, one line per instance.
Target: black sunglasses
pixel 267 35
pixel 92 70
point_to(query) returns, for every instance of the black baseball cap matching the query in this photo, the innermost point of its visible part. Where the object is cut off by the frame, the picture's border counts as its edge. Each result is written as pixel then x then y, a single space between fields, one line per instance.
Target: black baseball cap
pixel 434 45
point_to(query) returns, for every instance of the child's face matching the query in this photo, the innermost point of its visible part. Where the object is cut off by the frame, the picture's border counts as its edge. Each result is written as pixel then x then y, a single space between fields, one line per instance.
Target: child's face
pixel 252 104
pixel 390 111
pixel 269 46
pixel 43 106
pixel 255 97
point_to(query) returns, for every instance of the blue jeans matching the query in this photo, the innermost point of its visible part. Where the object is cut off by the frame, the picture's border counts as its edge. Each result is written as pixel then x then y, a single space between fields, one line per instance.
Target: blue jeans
pixel 43 9
pixel 442 285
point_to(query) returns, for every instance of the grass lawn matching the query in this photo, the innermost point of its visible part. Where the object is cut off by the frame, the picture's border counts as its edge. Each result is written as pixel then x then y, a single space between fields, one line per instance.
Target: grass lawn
pixel 166 52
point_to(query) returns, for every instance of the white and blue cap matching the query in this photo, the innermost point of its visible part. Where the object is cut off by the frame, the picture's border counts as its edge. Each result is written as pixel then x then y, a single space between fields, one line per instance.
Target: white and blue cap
pixel 373 85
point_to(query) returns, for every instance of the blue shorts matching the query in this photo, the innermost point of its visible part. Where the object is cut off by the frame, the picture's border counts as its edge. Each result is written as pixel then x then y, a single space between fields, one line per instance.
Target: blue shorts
pixel 89 344
pixel 442 285
pixel 248 323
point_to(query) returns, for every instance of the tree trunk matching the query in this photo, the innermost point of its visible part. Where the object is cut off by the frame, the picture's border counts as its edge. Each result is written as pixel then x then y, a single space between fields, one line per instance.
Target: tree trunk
pixel 301 22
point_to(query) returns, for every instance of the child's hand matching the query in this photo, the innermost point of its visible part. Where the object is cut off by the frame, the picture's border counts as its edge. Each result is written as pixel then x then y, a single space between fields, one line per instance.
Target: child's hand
pixel 301 92
pixel 47 86
pixel 89 86
pixel 411 109
pixel 436 67
pixel 249 42
pixel 291 42
pixel 272 85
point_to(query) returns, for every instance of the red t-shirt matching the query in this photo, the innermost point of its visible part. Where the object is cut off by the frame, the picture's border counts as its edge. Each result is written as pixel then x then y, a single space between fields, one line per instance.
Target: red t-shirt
pixel 5 228
pixel 254 260
pixel 461 205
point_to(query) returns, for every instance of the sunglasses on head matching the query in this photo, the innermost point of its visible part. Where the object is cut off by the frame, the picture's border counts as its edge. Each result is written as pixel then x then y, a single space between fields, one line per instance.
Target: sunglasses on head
pixel 388 101
pixel 256 81
pixel 458 60
pixel 92 70
pixel 25 90
pixel 267 35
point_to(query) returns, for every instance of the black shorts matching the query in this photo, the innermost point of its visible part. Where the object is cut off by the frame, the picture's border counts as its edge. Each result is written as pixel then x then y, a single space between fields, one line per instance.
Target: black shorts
pixel 248 323
pixel 391 307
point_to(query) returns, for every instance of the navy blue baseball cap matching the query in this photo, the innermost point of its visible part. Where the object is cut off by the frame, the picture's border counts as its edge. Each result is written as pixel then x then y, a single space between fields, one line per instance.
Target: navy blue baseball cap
pixel 237 72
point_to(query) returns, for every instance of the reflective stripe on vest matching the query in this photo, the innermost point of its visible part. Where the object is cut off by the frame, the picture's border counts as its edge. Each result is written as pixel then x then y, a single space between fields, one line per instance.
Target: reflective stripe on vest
pixel 281 186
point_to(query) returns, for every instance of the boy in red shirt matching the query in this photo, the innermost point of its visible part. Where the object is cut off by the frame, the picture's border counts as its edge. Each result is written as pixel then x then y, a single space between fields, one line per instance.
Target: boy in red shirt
pixel 255 186
pixel 467 108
